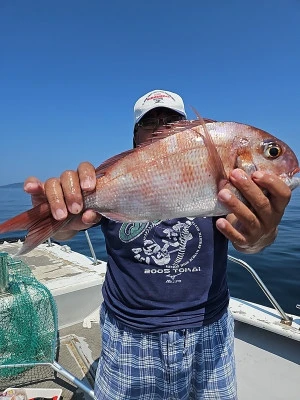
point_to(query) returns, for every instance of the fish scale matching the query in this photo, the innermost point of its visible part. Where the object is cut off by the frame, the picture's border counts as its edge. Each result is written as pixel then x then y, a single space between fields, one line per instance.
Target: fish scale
pixel 141 192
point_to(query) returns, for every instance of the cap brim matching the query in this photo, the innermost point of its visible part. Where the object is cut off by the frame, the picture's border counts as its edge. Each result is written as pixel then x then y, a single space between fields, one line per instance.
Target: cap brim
pixel 159 106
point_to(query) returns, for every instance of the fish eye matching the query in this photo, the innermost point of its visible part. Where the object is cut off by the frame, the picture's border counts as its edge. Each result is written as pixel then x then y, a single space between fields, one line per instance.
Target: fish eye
pixel 272 150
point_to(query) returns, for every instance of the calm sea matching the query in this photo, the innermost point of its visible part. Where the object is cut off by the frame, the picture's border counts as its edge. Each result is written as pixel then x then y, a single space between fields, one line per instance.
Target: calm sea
pixel 278 265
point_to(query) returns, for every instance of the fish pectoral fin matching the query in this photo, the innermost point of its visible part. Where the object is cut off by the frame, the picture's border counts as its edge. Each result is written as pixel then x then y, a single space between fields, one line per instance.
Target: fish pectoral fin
pixel 214 157
pixel 26 219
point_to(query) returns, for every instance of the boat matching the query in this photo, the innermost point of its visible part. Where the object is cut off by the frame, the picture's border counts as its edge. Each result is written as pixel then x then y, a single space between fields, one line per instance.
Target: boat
pixel 267 340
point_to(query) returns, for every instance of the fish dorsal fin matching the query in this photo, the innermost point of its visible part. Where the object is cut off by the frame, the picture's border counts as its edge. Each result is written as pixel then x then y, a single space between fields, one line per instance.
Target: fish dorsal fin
pixel 176 127
pixel 100 171
pixel 199 118
pixel 167 130
pixel 162 133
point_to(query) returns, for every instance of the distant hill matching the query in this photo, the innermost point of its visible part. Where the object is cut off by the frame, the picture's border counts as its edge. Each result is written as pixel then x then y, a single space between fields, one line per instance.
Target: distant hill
pixel 13 185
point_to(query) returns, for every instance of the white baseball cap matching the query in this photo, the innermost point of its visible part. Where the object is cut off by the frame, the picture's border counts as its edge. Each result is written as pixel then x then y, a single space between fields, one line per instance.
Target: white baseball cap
pixel 158 98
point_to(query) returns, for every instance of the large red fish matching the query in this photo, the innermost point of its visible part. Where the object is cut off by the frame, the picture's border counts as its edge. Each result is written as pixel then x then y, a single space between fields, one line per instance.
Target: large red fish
pixel 176 176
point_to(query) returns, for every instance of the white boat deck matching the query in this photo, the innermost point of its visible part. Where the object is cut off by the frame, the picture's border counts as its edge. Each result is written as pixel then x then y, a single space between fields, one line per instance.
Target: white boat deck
pixel 267 351
pixel 73 279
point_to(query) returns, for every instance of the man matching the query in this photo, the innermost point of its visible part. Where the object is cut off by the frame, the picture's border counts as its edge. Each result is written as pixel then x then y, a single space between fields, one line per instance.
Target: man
pixel 166 329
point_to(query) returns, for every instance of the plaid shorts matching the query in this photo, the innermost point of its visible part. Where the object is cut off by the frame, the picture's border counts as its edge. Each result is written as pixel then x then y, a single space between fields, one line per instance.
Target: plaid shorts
pixel 185 364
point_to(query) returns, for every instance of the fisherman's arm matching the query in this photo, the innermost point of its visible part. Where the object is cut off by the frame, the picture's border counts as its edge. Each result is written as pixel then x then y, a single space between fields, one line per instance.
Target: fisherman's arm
pixel 251 229
pixel 64 195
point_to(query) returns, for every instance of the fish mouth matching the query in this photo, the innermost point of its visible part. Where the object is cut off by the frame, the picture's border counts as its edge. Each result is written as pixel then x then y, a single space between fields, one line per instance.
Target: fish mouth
pixel 295 171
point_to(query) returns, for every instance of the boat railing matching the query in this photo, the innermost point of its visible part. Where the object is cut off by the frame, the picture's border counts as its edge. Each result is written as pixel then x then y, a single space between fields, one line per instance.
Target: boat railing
pixel 91 248
pixel 95 260
pixel 285 319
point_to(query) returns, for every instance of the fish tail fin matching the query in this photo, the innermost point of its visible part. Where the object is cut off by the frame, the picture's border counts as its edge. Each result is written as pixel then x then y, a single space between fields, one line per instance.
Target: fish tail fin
pixel 26 219
pixel 39 223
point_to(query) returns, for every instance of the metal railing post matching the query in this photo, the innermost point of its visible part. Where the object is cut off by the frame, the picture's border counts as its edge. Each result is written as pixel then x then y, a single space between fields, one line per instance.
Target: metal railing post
pixel 285 318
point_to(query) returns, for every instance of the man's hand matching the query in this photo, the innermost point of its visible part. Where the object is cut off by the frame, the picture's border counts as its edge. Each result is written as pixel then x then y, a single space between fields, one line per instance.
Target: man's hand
pixel 64 195
pixel 251 229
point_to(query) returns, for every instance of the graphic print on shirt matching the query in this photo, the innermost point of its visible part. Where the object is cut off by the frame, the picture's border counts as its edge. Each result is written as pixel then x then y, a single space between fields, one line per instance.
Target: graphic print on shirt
pixel 163 248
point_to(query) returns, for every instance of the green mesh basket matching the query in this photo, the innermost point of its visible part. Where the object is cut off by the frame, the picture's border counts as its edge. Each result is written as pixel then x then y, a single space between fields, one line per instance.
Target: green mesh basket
pixel 28 323
pixel 28 317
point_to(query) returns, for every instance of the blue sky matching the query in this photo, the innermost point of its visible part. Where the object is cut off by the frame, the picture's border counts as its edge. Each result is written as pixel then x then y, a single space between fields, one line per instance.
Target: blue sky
pixel 70 72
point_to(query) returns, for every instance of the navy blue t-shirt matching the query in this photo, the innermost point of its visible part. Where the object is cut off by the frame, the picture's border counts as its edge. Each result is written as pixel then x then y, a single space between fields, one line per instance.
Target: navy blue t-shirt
pixel 165 275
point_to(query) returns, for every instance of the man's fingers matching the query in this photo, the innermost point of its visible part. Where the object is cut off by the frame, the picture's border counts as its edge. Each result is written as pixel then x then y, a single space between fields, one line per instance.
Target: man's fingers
pixel 33 185
pixel 279 192
pixel 253 226
pixel 35 188
pixel 241 211
pixel 87 176
pixel 55 197
pixel 71 190
pixel 250 191
pixel 90 217
pixel 226 227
